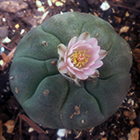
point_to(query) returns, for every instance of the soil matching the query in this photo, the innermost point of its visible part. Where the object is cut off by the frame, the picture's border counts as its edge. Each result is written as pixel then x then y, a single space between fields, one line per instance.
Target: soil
pixel 17 17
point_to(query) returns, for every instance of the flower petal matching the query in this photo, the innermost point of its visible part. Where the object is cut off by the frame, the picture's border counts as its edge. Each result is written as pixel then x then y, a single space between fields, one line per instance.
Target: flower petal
pixel 80 75
pixel 71 70
pixel 78 43
pixel 62 67
pixel 95 50
pixel 65 57
pixel 102 54
pixel 92 41
pixel 77 69
pixel 85 47
pixel 89 71
pixel 72 42
pixel 75 46
pixel 97 64
pixel 92 60
pixel 69 62
pixel 94 55
pixel 61 49
pixel 84 36
pixel 96 74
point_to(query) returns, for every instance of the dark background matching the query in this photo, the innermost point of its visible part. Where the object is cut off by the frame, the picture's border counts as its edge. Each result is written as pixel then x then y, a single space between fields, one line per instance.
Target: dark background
pixel 17 17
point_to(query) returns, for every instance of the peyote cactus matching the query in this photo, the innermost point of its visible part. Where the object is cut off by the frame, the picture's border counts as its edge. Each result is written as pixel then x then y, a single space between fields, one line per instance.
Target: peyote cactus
pixel 44 90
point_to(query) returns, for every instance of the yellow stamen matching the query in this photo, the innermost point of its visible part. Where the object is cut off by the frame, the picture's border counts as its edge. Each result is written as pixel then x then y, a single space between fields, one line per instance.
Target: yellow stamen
pixel 79 57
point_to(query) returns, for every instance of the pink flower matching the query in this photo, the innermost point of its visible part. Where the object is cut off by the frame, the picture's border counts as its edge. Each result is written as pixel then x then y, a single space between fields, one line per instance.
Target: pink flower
pixel 81 58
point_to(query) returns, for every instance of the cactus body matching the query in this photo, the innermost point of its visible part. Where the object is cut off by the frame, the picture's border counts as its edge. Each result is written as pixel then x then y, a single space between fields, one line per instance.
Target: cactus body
pixel 51 100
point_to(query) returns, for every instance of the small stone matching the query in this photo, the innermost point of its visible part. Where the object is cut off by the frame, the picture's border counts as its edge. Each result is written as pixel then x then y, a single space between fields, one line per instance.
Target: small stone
pixel 132 122
pixel 6 40
pixel 118 19
pixel 17 26
pixel 102 133
pixel 4 19
pixel 61 132
pixel 30 130
pixel 41 9
pixel 3 32
pixel 2 49
pixel 12 6
pixel 59 3
pixel 130 114
pixel 53 1
pixel 124 29
pixel 10 124
pixel 136 105
pixel 127 14
pixel 30 20
pixel 49 2
pixel 22 31
pixel 131 102
pixel 105 6
pixel 1 62
pixel 38 3
pixel 59 138
pixel 104 138
pixel 134 134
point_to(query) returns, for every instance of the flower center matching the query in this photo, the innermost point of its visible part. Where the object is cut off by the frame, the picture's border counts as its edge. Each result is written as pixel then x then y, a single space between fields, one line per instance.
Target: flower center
pixel 79 57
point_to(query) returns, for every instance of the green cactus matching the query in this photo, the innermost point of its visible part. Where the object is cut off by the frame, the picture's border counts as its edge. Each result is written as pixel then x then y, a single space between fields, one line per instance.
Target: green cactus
pixel 51 100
